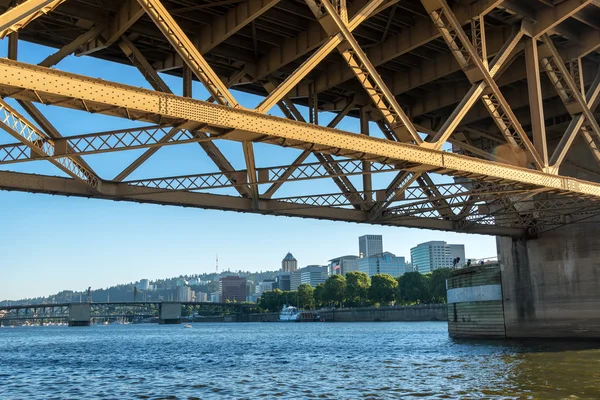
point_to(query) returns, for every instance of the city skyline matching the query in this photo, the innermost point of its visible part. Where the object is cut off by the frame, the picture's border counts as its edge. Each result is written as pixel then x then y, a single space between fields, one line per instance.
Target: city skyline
pixel 53 243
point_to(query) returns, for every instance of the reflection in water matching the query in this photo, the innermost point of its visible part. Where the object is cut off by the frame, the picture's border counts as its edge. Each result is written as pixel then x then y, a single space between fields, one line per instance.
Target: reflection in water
pixel 337 361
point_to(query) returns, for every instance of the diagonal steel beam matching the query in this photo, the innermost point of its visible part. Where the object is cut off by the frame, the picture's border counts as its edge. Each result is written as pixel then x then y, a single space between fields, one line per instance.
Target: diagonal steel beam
pixel 17 17
pixel 70 48
pixel 30 82
pixel 188 52
pixel 570 94
pixel 18 127
pixel 435 197
pixel 138 60
pixel 401 43
pixel 300 45
pixel 472 65
pixel 221 29
pixel 47 128
pixel 307 66
pixel 327 160
pixel 477 89
pixel 129 13
pixel 248 148
pixel 549 17
pixel 367 75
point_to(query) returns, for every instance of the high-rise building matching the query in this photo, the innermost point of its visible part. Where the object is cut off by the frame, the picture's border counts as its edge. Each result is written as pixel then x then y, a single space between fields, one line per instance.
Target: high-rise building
pixel 426 257
pixel 184 293
pixel 295 279
pixel 201 297
pixel 265 286
pixel 311 274
pixel 370 245
pixel 144 284
pixel 289 263
pixel 384 263
pixel 342 265
pixel 284 281
pixel 314 274
pixel 232 288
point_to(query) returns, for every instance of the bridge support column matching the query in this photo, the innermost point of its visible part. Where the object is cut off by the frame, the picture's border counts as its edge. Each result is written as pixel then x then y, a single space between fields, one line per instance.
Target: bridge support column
pixel 170 313
pixel 80 314
pixel 551 284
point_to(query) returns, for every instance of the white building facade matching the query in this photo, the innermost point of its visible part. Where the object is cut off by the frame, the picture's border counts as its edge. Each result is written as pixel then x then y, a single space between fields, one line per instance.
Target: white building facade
pixel 384 263
pixel 426 257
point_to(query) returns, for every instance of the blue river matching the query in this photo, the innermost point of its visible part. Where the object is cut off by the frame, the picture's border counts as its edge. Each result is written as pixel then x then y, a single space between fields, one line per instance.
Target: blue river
pixel 296 361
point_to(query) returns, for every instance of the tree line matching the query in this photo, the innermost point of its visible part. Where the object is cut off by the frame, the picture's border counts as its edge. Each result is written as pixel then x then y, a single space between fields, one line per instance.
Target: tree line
pixel 356 289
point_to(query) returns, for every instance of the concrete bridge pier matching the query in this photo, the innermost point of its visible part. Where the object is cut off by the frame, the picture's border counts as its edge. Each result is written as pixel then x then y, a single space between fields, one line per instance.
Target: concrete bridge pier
pixel 551 284
pixel 80 314
pixel 170 313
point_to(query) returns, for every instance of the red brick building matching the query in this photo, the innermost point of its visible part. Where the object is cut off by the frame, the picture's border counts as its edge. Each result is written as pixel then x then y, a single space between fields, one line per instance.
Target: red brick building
pixel 232 288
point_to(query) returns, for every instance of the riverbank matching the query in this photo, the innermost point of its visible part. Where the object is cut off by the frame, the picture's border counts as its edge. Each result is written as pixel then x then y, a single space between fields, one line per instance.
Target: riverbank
pixel 421 312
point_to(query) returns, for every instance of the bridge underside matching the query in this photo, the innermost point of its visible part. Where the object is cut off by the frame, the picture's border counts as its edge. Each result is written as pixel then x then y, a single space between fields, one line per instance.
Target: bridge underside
pixel 472 115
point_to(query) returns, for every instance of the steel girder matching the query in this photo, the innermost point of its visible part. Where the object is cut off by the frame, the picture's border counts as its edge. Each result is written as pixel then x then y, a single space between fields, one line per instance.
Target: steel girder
pixel 360 154
pixel 25 81
pixel 67 187
pixel 22 14
pixel 220 30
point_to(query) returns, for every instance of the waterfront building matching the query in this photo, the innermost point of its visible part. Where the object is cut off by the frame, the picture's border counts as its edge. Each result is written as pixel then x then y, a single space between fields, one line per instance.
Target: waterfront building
pixel 215 297
pixel 384 263
pixel 295 280
pixel 311 274
pixel 431 255
pixel 144 284
pixel 342 265
pixel 232 288
pixel 289 263
pixel 284 281
pixel 266 285
pixel 370 245
pixel 184 294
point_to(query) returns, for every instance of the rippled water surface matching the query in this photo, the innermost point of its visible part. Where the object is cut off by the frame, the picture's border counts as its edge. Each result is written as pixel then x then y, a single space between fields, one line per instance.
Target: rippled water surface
pixel 272 360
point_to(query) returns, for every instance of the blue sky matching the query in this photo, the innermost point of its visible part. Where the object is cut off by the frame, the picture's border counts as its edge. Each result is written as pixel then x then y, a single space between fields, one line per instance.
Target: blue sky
pixel 51 243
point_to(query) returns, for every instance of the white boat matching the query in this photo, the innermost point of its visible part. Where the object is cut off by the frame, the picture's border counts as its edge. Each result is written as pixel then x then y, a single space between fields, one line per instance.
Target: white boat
pixel 187 326
pixel 289 314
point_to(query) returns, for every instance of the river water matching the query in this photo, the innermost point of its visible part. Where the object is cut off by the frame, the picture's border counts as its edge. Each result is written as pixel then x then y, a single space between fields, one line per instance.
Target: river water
pixel 296 361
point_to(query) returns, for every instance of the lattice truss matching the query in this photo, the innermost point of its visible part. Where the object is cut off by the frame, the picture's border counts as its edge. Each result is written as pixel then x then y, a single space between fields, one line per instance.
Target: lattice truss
pixel 485 110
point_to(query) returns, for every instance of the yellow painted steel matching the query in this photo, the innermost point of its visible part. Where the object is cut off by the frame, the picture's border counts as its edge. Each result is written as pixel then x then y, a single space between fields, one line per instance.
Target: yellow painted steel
pixel 73 90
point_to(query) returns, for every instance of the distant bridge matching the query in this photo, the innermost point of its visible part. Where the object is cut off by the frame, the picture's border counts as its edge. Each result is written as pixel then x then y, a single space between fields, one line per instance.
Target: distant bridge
pixel 82 313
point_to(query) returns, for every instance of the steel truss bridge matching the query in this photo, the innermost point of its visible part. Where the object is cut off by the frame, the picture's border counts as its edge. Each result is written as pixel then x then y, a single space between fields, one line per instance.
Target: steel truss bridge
pixel 498 95
pixel 60 311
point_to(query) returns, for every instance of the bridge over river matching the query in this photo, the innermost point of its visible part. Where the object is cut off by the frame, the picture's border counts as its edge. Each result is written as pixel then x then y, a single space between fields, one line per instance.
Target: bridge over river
pixel 81 314
pixel 476 116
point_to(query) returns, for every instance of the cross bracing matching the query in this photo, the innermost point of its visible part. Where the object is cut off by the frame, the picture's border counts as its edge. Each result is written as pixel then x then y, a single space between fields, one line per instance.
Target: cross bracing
pixel 486 109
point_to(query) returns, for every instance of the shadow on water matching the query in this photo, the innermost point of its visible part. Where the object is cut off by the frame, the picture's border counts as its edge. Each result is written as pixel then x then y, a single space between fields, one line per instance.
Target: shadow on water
pixel 545 345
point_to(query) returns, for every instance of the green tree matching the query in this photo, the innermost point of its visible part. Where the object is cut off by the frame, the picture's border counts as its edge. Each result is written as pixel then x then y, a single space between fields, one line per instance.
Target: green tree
pixel 318 295
pixel 412 288
pixel 357 288
pixel 306 298
pixel 383 288
pixel 436 282
pixel 335 289
pixel 272 300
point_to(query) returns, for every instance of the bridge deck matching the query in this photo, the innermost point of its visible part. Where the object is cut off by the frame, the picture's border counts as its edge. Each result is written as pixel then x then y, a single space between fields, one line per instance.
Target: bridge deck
pixel 515 100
